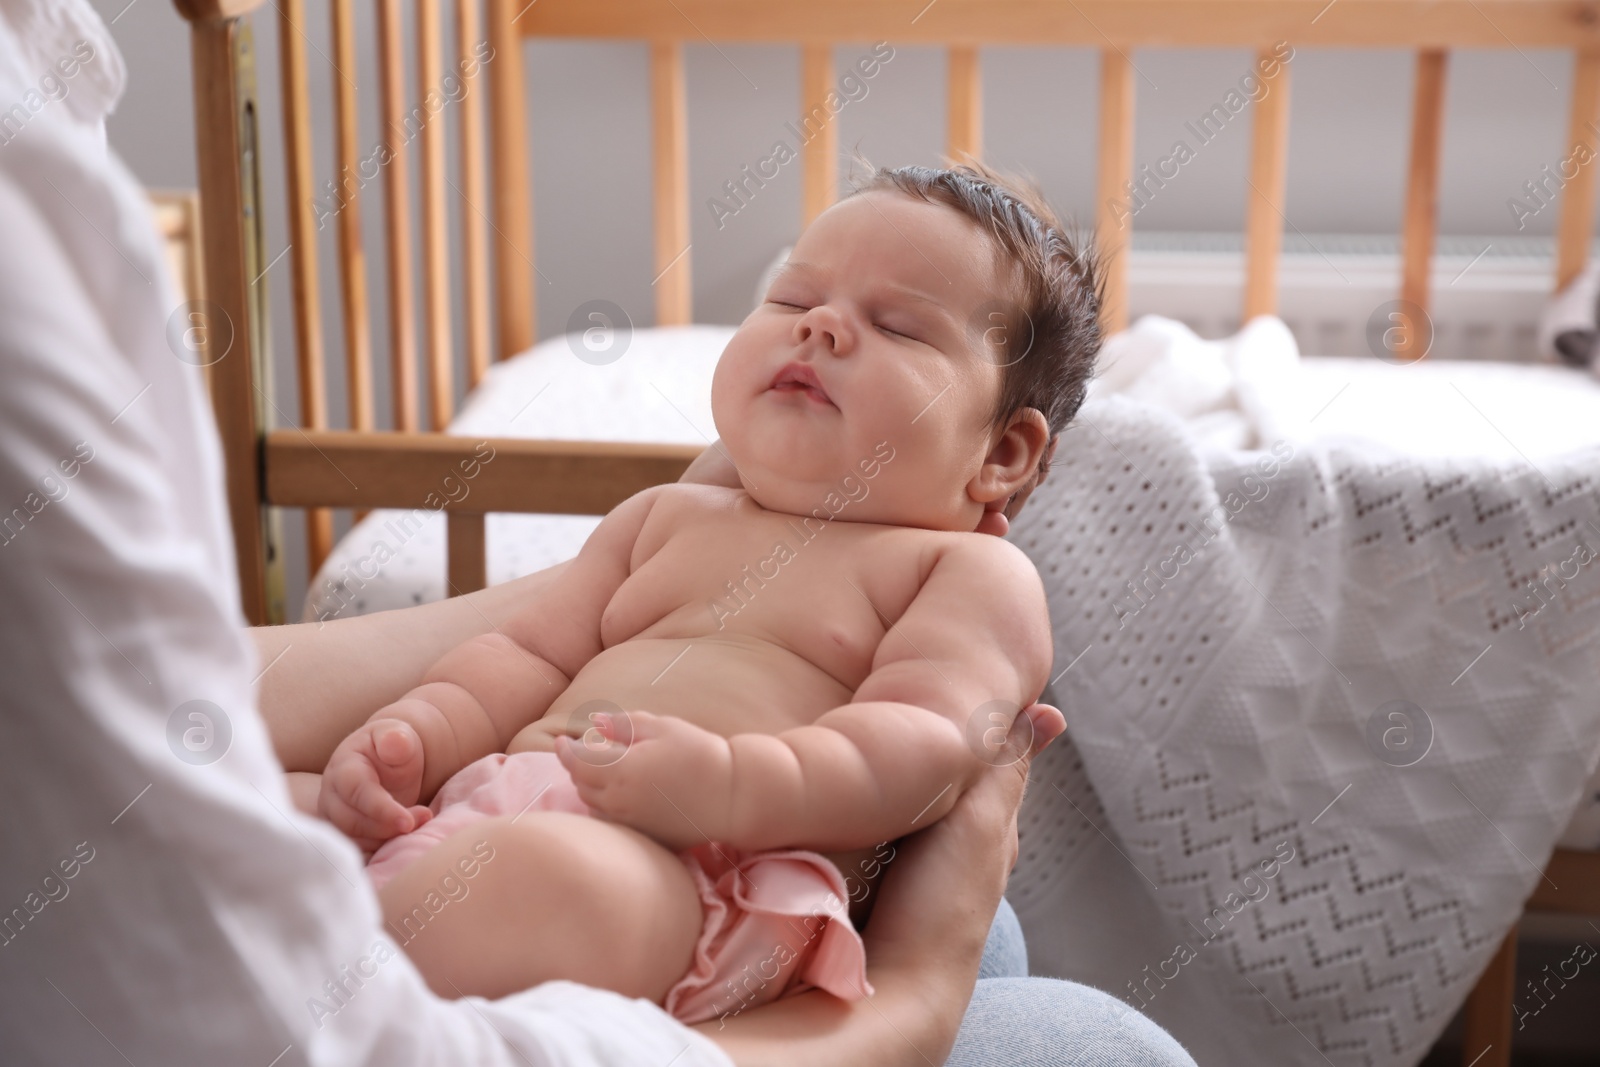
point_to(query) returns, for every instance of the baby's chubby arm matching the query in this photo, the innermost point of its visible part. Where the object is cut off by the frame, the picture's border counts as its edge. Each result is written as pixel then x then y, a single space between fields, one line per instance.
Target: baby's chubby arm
pixel 971 649
pixel 476 697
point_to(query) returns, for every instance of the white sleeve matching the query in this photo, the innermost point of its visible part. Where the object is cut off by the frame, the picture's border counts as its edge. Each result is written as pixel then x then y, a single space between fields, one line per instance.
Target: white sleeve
pixel 161 901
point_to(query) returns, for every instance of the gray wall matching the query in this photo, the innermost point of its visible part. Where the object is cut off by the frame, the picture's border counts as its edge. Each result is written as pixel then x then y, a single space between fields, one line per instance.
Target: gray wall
pixel 590 136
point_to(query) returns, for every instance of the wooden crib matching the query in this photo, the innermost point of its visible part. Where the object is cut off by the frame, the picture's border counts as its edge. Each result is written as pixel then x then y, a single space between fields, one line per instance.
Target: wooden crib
pixel 316 468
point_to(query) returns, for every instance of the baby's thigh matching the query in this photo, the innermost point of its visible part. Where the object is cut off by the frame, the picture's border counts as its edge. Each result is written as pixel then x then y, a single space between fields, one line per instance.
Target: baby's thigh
pixel 550 895
pixel 304 788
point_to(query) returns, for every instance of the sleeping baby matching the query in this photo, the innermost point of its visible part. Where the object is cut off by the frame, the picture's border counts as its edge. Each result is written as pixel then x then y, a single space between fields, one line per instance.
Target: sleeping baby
pixel 688 759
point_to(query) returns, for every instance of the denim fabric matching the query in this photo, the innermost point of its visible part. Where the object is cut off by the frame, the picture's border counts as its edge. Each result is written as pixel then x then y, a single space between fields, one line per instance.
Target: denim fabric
pixel 1017 1021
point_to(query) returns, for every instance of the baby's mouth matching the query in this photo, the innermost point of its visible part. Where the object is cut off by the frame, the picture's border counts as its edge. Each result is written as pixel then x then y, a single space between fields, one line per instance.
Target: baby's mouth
pixel 800 378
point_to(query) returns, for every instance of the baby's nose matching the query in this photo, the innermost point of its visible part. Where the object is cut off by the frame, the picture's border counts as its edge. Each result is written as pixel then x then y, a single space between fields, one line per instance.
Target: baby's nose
pixel 825 326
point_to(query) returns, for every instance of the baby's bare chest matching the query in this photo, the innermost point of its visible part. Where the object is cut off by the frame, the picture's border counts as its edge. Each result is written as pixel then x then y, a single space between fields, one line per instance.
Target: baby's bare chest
pixel 825 591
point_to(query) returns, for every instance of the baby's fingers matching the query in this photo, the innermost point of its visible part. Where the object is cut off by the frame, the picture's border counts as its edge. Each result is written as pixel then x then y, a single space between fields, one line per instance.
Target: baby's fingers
pixel 365 831
pixel 588 756
pixel 375 811
pixel 397 759
pixel 590 765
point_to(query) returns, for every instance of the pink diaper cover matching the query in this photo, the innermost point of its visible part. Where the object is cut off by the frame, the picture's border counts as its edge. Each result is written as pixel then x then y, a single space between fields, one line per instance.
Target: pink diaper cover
pixel 776 921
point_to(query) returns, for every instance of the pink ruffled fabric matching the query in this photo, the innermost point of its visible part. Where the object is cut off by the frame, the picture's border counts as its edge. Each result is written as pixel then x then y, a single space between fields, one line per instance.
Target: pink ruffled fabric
pixel 494 785
pixel 776 922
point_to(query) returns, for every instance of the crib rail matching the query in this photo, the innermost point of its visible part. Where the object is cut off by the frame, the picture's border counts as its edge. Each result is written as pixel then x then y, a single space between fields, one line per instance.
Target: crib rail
pixel 485 213
pixel 463 477
pixel 336 468
pixel 1095 23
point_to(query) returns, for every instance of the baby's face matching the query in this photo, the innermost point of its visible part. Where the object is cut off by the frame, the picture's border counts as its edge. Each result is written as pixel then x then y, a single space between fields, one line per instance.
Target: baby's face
pixel 866 343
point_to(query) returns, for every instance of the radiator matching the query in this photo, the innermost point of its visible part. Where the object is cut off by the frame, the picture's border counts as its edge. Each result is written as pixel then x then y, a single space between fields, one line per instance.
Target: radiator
pixel 1487 292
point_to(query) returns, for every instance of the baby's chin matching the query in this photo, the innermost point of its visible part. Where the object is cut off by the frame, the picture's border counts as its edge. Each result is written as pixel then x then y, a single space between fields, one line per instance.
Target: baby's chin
pixel 803 460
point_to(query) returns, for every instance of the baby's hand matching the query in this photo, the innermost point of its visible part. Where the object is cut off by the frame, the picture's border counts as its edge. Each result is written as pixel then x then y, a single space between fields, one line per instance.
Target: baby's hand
pixel 663 776
pixel 372 782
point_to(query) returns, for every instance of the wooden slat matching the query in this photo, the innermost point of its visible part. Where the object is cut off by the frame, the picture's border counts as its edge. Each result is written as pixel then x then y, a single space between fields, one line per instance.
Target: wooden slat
pixel 1086 23
pixel 820 152
pixel 1486 1037
pixel 516 304
pixel 474 195
pixel 1576 228
pixel 466 551
pixel 1422 190
pixel 307 469
pixel 1269 167
pixel 397 217
pixel 670 169
pixel 1572 885
pixel 352 254
pixel 232 250
pixel 435 238
pixel 1114 229
pixel 964 112
pixel 212 10
pixel 299 191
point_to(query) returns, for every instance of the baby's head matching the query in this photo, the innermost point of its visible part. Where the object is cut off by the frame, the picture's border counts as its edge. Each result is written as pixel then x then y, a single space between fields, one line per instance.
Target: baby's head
pixel 939 317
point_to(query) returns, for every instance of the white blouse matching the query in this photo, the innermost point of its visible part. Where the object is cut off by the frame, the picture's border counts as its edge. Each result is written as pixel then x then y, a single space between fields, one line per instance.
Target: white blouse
pixel 161 901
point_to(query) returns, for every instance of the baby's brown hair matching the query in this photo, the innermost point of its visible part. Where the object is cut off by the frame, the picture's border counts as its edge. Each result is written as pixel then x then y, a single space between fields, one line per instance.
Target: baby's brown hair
pixel 1052 331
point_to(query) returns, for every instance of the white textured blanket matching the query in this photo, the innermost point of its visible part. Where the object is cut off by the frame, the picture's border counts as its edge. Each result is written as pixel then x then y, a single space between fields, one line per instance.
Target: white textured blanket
pixel 1324 732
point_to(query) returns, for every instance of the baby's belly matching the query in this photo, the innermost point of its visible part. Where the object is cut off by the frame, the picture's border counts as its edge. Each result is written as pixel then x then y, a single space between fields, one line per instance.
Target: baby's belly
pixel 727 684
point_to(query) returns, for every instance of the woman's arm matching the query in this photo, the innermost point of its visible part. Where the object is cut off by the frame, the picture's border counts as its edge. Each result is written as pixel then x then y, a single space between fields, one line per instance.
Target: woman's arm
pixel 323 680
pixel 947 878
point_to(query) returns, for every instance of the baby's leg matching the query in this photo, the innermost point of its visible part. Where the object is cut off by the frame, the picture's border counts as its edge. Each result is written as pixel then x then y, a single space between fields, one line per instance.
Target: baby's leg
pixel 563 896
pixel 304 787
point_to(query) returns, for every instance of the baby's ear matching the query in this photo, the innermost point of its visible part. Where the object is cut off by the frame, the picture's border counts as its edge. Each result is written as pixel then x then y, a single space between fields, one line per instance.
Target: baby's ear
pixel 1014 505
pixel 1012 464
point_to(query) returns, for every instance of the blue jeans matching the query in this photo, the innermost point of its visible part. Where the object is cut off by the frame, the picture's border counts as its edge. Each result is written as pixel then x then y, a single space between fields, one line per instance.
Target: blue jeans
pixel 1017 1021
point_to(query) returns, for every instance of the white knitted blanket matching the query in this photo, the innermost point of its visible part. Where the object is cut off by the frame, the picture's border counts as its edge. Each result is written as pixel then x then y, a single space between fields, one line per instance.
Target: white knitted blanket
pixel 1321 745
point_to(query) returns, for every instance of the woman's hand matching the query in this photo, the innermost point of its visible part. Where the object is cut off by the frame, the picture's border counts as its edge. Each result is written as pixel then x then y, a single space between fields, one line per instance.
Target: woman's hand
pixel 712 467
pixel 924 940
pixel 950 877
